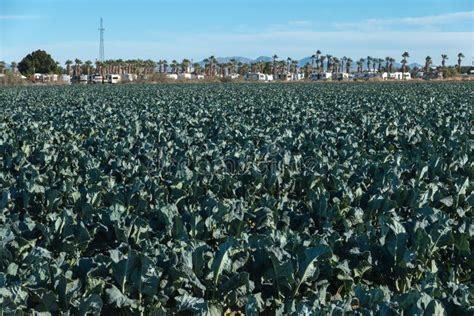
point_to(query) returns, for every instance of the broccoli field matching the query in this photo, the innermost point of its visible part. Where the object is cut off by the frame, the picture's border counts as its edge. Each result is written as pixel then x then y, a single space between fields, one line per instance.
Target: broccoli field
pixel 287 199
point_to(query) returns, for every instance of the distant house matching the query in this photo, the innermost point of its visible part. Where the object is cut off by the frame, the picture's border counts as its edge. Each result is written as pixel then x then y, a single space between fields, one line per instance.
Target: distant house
pixel 199 77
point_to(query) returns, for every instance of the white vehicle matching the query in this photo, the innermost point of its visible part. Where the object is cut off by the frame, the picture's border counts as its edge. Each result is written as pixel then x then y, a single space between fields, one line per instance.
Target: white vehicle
pixel 113 78
pixel 321 76
pixel 172 76
pixel 232 76
pixel 97 79
pixel 185 75
pixel 256 76
pixel 83 79
pixel 283 77
pixel 340 76
pixel 298 76
pixel 400 76
pixel 66 79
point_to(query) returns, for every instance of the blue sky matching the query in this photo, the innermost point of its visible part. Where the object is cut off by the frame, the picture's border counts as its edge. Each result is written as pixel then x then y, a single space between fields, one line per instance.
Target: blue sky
pixel 176 29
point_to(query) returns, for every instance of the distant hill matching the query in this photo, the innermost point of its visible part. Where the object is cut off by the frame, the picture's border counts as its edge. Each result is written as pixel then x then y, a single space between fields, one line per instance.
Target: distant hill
pixel 263 58
pixel 238 59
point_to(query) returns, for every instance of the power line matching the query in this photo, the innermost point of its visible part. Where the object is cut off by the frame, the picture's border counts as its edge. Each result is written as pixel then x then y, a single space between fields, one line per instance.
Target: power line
pixel 101 46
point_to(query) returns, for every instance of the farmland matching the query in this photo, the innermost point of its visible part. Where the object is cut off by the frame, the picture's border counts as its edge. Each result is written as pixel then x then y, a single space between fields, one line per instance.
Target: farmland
pixel 278 199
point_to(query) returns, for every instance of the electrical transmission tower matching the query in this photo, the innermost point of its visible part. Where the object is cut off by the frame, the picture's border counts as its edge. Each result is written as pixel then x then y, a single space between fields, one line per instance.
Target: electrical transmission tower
pixel 101 47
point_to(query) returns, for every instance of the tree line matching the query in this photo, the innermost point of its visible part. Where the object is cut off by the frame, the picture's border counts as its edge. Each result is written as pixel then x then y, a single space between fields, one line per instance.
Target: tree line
pixel 41 62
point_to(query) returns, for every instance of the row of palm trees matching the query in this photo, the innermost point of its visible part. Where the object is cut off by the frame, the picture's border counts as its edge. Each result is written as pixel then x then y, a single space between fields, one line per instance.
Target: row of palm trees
pixel 211 67
pixel 116 66
pixel 3 66
pixel 444 57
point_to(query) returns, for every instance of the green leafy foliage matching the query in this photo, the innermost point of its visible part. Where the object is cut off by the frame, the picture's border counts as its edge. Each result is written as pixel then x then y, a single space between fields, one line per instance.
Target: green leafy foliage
pixel 206 199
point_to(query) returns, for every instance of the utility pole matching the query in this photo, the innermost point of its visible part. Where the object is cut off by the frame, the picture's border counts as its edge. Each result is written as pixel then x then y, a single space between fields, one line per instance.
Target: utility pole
pixel 101 46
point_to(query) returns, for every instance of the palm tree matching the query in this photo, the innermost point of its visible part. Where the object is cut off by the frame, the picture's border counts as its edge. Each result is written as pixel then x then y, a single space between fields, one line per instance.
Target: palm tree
pixel 444 57
pixel 318 55
pixel 369 59
pixel 460 57
pixel 78 64
pixel 174 66
pixel 88 64
pixel 335 64
pixel 185 65
pixel 242 68
pixel 405 57
pixel 68 66
pixel 428 62
pixel 294 66
pixel 160 66
pixel 349 62
pixel 197 68
pixel 14 65
pixel 2 66
pixel 206 67
pixel 232 64
pixel 98 66
pixel 321 63
pixel 362 61
pixel 387 62
pixel 380 61
pixel 359 65
pixel 275 58
pixel 390 66
pixel 344 62
pixel 328 62
pixel 288 65
pixel 307 70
